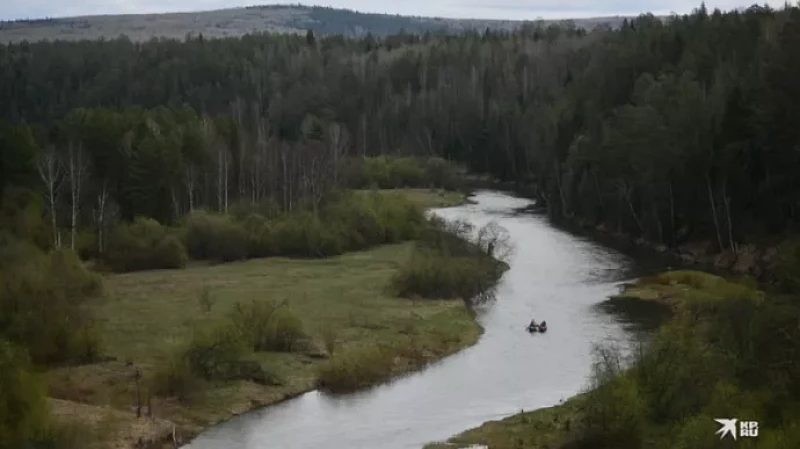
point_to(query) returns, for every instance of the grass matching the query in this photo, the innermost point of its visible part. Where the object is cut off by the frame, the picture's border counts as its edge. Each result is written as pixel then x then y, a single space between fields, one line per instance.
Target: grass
pixel 539 429
pixel 422 341
pixel 682 286
pixel 345 304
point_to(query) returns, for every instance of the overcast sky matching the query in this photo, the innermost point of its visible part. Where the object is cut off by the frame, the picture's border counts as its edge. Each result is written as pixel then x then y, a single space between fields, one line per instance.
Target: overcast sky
pixel 486 9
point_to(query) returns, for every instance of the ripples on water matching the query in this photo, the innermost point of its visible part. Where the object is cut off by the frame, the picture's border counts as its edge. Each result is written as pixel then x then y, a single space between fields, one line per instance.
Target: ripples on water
pixel 554 276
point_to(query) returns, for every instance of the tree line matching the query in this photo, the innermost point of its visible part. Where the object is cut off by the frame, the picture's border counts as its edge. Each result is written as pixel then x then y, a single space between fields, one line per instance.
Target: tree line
pixel 670 129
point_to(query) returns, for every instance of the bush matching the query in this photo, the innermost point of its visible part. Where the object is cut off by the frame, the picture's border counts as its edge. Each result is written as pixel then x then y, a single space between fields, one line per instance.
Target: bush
pixel 260 236
pixel 440 173
pixel 219 354
pixel 446 264
pixel 214 354
pixel 268 326
pixel 21 215
pixel 675 374
pixel 356 368
pixel 363 220
pixel 429 274
pixel 614 411
pixel 144 245
pixel 388 172
pixel 215 237
pixel 303 234
pixel 23 408
pixel 42 300
pixel 174 378
pixel 694 433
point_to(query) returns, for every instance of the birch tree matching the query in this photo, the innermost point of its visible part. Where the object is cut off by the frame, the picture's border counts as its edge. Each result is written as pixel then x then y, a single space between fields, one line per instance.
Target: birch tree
pixel 51 173
pixel 77 168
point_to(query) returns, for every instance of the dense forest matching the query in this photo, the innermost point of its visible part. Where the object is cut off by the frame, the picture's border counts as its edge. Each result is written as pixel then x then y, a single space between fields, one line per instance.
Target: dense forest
pixel 669 131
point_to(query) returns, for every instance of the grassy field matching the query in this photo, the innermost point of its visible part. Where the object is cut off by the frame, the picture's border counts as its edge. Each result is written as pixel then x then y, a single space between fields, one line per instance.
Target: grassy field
pixel 342 300
pixel 675 287
pixel 543 428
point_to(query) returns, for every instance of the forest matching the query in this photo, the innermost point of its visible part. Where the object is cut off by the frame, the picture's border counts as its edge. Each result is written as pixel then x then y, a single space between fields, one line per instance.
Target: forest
pixel 671 131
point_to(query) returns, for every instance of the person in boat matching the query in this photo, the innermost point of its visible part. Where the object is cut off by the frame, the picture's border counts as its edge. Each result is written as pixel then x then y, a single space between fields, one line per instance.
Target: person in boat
pixel 543 325
pixel 532 326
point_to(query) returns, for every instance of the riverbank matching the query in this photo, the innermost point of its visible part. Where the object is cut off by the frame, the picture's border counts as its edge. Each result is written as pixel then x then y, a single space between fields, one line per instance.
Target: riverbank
pixel 694 338
pixel 548 427
pixel 343 303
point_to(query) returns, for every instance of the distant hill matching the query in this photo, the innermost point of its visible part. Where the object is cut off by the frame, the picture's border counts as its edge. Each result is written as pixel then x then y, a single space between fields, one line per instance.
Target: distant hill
pixel 239 21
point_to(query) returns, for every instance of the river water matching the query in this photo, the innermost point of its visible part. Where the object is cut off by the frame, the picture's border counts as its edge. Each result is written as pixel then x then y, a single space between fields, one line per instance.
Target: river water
pixel 554 275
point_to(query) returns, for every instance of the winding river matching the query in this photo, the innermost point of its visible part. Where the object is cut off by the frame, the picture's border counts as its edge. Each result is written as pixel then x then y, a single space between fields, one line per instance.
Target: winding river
pixel 554 275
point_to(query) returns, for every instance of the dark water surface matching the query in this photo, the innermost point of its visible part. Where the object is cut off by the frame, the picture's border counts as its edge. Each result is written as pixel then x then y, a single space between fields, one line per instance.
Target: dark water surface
pixel 554 276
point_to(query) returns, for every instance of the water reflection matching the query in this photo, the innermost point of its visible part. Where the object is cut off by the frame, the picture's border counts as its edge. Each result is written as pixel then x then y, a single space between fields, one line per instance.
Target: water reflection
pixel 553 276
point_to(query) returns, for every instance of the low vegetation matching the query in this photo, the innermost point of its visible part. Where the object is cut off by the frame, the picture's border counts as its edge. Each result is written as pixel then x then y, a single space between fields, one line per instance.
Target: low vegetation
pixel 144 245
pixel 685 286
pixel 420 342
pixel 385 172
pixel 539 429
pixel 730 351
pixel 347 221
pixel 190 346
pixel 188 343
pixel 449 262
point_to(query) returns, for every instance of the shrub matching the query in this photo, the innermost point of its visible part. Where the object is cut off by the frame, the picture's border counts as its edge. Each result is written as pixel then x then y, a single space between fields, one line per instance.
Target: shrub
pixel 429 274
pixel 214 354
pixel 442 174
pixel 174 378
pixel 218 354
pixel 303 234
pixel 215 237
pixel 446 264
pixel 388 172
pixel 23 409
pixel 144 245
pixel 42 300
pixel 260 236
pixel 614 411
pixel 405 172
pixel 675 374
pixel 693 433
pixel 21 215
pixel 356 368
pixel 268 326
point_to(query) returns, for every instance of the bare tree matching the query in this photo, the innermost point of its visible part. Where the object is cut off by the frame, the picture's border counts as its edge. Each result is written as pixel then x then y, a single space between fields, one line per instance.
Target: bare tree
pixel 100 215
pixel 50 170
pixel 495 241
pixel 189 180
pixel 77 169
pixel 215 143
pixel 338 140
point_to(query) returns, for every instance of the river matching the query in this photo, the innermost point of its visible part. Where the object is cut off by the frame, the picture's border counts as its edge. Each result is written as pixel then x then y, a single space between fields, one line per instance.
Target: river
pixel 553 275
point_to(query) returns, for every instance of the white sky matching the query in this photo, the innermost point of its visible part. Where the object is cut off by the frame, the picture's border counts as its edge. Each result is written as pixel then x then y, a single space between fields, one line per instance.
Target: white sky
pixel 483 9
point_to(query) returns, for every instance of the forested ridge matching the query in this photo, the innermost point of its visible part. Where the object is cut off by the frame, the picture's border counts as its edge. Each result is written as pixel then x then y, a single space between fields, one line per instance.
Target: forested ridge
pixel 669 131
